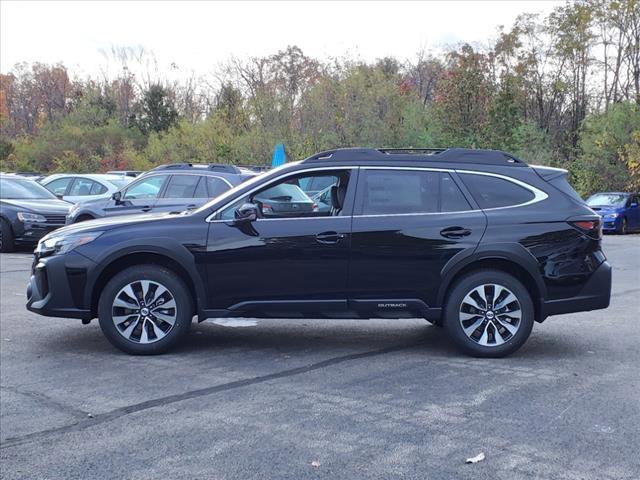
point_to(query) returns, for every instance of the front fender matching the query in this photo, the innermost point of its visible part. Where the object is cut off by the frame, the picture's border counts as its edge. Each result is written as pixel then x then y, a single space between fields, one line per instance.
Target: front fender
pixel 161 246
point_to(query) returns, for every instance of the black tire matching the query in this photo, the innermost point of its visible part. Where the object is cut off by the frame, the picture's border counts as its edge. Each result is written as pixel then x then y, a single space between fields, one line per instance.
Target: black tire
pixel 454 305
pixel 166 278
pixel 7 243
pixel 624 227
pixel 84 218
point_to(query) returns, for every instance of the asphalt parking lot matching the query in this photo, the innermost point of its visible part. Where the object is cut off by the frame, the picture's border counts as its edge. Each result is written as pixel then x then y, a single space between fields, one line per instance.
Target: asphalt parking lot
pixel 326 399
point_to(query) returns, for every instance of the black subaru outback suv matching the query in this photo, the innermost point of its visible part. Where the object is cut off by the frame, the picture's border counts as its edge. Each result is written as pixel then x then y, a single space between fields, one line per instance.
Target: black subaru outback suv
pixel 474 240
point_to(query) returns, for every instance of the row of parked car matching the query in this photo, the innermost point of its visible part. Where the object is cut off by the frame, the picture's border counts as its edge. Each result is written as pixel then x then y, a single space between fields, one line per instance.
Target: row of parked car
pixel 31 206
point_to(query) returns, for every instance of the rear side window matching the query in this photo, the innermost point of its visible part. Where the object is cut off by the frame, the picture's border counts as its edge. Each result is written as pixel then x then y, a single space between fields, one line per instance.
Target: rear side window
pixel 201 189
pixel 81 187
pixel 494 192
pixel 181 186
pixel 98 189
pixel 387 192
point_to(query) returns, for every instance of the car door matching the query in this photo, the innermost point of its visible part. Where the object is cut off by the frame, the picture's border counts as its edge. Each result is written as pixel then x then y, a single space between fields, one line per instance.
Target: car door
pixel 633 212
pixel 139 197
pixel 180 193
pixel 407 224
pixel 282 263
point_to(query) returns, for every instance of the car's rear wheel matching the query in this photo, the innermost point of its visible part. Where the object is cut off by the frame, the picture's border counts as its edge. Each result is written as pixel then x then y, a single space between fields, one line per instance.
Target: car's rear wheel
pixel 489 314
pixel 145 310
pixel 6 237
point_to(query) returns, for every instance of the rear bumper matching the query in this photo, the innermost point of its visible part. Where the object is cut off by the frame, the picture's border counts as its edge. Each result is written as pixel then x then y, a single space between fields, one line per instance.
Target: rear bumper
pixel 595 295
pixel 57 286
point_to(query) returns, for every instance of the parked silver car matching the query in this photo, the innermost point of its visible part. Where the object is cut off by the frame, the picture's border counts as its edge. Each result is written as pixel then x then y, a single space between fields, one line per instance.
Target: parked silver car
pixel 76 188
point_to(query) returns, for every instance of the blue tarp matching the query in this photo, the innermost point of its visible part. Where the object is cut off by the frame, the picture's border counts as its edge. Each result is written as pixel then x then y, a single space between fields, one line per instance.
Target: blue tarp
pixel 279 155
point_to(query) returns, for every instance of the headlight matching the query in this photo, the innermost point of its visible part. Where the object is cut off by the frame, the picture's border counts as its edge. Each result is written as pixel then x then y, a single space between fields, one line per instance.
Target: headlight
pixel 56 245
pixel 612 215
pixel 27 217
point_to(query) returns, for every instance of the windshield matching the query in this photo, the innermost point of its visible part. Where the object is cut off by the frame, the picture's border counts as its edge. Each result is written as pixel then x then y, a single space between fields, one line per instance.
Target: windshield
pixel 607 200
pixel 22 189
pixel 232 192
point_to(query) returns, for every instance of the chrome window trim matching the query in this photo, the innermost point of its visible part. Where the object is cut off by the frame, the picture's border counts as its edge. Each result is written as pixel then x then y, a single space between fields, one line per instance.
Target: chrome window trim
pixel 539 195
pixel 209 218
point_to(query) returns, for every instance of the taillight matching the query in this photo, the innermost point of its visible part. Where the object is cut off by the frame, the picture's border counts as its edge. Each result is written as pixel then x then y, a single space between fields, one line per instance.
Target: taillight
pixel 592 228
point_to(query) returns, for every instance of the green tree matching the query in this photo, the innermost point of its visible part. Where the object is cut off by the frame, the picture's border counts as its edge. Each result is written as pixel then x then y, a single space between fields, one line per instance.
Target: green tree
pixel 608 150
pixel 155 112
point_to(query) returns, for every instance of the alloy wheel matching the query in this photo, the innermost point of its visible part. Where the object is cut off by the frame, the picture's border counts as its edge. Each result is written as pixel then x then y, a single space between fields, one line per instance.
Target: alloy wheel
pixel 490 315
pixel 144 311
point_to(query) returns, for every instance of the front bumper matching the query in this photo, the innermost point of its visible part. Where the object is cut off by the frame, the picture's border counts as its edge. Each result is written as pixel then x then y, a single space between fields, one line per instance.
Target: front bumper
pixel 595 295
pixel 31 233
pixel 57 286
pixel 610 224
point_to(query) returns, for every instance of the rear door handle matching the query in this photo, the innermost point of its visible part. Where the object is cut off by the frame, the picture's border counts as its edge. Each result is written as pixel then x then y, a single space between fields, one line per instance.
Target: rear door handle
pixel 455 232
pixel 329 237
pixel 193 205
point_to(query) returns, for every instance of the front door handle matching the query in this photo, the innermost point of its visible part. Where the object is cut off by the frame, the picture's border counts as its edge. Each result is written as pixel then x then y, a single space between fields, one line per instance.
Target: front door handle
pixel 455 232
pixel 329 237
pixel 192 206
pixel 146 209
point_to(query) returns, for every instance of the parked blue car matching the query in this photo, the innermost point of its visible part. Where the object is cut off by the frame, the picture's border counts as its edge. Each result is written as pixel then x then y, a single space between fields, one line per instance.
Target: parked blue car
pixel 620 211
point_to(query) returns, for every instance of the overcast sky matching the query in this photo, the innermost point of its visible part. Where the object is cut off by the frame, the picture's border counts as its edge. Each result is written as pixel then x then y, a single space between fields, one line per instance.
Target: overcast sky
pixel 196 36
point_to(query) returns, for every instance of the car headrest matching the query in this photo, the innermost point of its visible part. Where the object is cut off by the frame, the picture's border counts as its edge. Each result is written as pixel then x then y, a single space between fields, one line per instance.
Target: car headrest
pixel 335 199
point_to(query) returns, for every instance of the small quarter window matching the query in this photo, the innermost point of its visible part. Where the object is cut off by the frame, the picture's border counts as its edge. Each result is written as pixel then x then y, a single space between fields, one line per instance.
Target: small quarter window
pixel 216 186
pixel 494 192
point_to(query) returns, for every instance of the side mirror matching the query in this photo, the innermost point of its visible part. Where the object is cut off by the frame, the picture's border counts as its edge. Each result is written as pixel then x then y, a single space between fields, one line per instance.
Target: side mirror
pixel 247 212
pixel 59 196
pixel 117 196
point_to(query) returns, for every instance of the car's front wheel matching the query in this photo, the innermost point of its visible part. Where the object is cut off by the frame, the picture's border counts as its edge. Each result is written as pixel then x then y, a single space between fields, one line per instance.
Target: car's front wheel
pixel 623 227
pixel 145 310
pixel 489 314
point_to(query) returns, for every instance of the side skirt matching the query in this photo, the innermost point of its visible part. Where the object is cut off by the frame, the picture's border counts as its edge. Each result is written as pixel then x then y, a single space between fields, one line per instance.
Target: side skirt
pixel 389 308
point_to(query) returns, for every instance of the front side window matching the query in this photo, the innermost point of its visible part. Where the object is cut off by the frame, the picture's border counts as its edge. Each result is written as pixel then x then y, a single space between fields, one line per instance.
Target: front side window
pixel 389 192
pixel 494 192
pixel 59 185
pixel 147 188
pixel 287 199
